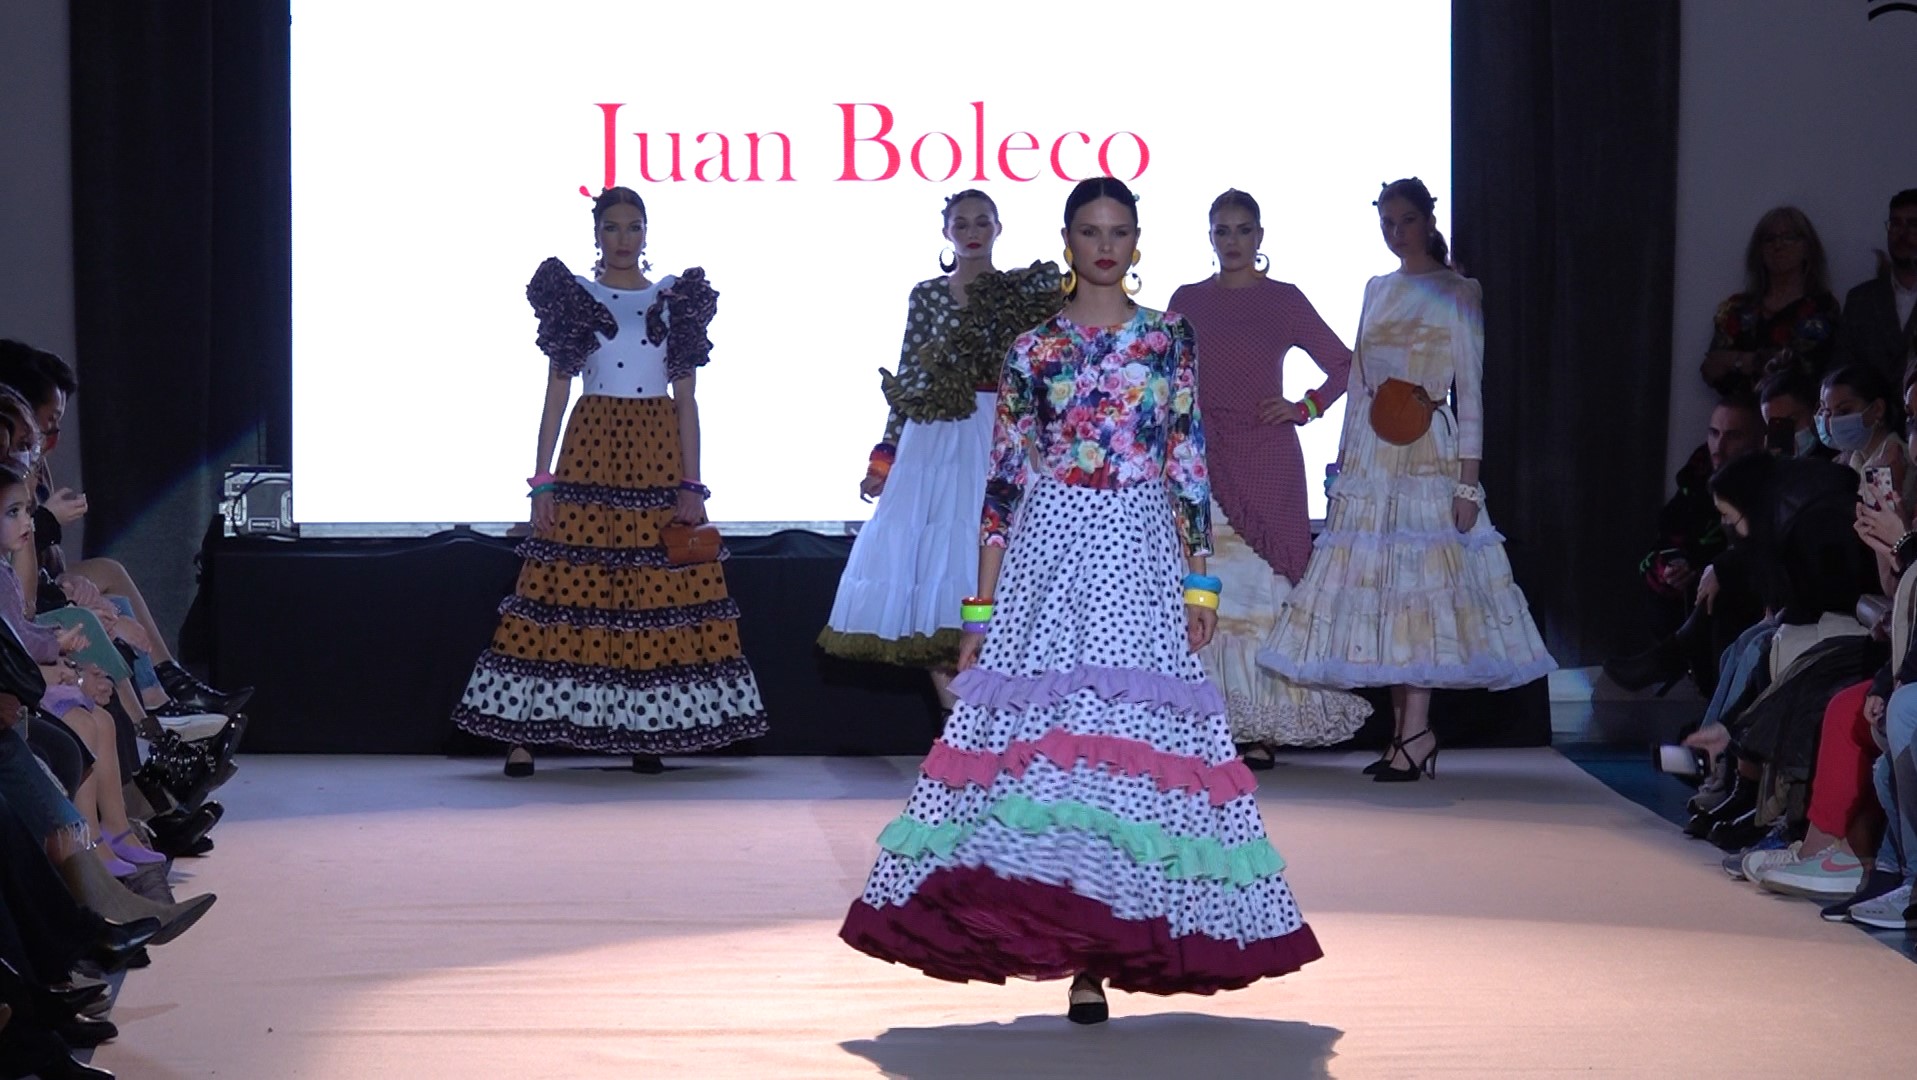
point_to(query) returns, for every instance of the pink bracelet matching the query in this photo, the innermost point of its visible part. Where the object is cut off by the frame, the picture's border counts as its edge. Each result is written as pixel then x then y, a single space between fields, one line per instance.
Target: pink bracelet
pixel 540 477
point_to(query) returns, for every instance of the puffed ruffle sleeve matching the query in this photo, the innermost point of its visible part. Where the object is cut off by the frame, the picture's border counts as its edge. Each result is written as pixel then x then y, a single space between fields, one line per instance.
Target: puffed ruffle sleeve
pixel 570 318
pixel 691 302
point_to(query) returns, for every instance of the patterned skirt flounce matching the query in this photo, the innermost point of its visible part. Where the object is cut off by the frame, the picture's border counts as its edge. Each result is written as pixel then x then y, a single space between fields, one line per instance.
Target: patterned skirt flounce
pixel 602 645
pixel 1085 810
pixel 1394 594
pixel 898 600
pixel 1264 707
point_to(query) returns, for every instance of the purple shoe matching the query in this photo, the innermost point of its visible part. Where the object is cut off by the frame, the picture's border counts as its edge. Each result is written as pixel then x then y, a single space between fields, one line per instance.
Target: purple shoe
pixel 124 846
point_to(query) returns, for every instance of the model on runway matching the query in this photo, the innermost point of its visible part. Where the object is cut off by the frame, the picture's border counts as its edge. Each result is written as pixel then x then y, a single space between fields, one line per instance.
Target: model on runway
pixel 898 600
pixel 603 645
pixel 1408 585
pixel 1085 814
pixel 1261 527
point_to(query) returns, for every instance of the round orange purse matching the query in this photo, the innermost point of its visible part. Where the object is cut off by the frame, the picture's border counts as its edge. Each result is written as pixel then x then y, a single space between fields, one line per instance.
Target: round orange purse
pixel 1401 412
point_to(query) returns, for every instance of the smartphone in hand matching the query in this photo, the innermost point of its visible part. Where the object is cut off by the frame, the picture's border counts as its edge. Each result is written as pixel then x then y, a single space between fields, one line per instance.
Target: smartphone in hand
pixel 1879 491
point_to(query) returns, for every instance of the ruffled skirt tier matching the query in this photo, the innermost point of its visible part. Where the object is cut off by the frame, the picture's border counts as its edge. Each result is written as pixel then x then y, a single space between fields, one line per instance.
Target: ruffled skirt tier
pixel 898 600
pixel 1085 809
pixel 603 646
pixel 1394 593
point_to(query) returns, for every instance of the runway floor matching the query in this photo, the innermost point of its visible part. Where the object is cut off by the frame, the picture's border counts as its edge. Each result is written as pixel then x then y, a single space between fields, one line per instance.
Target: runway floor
pixel 422 918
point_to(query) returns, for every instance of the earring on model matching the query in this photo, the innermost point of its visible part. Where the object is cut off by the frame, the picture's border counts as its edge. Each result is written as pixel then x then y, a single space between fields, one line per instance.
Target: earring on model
pixel 948 262
pixel 1069 282
pixel 598 260
pixel 1133 284
pixel 1261 263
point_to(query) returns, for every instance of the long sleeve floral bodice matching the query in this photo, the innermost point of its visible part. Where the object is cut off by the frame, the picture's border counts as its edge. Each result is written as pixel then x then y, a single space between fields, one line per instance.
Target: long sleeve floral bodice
pixel 1102 407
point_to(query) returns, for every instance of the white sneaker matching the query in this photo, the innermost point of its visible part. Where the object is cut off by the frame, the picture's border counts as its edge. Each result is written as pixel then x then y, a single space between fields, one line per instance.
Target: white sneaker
pixel 1826 875
pixel 1757 863
pixel 1891 911
pixel 193 726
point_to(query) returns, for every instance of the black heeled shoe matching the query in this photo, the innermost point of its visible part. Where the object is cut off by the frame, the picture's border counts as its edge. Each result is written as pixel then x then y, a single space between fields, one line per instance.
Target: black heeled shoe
pixel 1086 1002
pixel 1663 663
pixel 1382 763
pixel 519 770
pixel 647 764
pixel 1424 766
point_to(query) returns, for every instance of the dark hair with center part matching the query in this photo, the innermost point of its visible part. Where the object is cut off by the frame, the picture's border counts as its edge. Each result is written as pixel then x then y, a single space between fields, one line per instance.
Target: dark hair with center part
pixel 953 200
pixel 1241 200
pixel 1412 190
pixel 617 196
pixel 1096 188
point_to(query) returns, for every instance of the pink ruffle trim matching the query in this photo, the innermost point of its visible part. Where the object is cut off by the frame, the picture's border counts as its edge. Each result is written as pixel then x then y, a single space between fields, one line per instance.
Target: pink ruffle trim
pixel 1220 783
pixel 997 690
pixel 969 924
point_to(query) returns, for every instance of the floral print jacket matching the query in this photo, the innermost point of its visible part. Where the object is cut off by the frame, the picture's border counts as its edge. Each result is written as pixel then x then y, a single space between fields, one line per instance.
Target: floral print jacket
pixel 1102 407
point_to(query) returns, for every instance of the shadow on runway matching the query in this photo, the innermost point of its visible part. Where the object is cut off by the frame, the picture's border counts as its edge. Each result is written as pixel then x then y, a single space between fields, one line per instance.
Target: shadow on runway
pixel 1161 1045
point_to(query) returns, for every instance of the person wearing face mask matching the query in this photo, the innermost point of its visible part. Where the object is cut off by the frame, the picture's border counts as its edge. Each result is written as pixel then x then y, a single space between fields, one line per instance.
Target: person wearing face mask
pixel 898 598
pixel 1859 416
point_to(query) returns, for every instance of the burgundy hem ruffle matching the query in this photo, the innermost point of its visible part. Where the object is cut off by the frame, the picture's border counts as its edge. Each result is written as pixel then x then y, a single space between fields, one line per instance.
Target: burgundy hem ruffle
pixel 967 924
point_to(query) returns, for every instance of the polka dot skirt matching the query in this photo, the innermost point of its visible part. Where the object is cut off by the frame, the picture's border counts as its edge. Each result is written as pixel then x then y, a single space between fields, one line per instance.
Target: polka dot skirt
pixel 602 646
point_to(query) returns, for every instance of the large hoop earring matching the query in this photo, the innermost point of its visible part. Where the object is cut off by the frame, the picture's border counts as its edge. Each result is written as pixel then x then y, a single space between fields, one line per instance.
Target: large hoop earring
pixel 1132 284
pixel 948 263
pixel 1068 283
pixel 1261 263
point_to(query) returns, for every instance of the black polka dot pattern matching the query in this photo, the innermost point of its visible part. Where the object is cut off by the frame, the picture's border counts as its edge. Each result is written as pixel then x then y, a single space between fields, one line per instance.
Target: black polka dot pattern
pixel 1092 577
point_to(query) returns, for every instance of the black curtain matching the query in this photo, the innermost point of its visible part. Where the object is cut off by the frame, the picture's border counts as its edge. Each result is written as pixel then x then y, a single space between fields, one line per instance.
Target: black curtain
pixel 1564 155
pixel 181 206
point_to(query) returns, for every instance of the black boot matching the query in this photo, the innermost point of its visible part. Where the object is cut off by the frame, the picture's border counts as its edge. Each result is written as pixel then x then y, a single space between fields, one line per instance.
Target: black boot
pixel 182 687
pixel 1739 801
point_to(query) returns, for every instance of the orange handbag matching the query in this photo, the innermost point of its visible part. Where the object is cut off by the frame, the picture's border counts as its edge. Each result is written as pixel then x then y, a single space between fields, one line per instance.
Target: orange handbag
pixel 690 545
pixel 1401 412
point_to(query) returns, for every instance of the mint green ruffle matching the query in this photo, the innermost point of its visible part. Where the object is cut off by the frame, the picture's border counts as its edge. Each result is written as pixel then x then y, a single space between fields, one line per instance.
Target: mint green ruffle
pixel 1181 857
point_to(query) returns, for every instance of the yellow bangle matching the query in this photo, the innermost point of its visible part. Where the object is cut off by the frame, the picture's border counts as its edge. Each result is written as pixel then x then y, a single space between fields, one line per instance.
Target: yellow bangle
pixel 1203 598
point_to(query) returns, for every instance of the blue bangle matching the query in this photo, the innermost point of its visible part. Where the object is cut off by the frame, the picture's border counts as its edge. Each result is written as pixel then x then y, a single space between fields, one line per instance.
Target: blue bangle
pixel 1205 582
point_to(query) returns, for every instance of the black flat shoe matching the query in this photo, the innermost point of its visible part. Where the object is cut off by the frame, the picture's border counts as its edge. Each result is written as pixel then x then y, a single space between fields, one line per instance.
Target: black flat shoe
pixel 1426 766
pixel 1256 757
pixel 1087 1003
pixel 647 764
pixel 519 770
pixel 64 1067
pixel 187 690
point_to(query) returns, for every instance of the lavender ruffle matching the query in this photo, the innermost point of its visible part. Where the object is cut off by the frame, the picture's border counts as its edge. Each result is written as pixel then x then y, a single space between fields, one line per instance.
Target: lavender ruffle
pixel 1479 673
pixel 691 302
pixel 618 498
pixel 667 618
pixel 997 690
pixel 552 551
pixel 734 668
pixel 570 318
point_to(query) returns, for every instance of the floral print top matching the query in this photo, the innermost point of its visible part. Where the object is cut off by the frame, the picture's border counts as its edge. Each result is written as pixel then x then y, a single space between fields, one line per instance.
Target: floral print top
pixel 1102 407
pixel 1808 328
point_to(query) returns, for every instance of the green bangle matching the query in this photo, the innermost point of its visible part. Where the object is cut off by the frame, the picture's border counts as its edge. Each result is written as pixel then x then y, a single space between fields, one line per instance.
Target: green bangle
pixel 539 488
pixel 976 612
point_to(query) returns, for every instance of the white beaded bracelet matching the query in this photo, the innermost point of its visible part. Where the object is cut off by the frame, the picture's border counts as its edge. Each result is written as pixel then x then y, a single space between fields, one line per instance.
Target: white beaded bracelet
pixel 1470 492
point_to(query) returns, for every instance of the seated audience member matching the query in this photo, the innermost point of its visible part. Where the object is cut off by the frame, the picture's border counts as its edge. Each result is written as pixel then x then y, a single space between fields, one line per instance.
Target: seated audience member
pixel 1895 774
pixel 1861 416
pixel 1785 319
pixel 1794 520
pixel 1690 539
pixel 1880 315
pixel 100 585
pixel 1788 399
